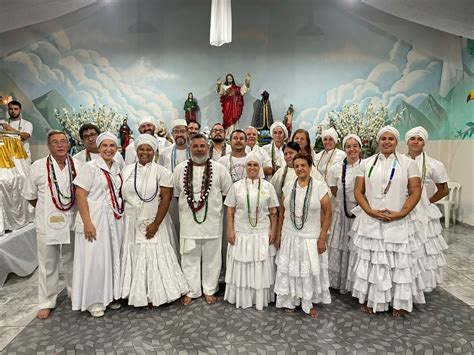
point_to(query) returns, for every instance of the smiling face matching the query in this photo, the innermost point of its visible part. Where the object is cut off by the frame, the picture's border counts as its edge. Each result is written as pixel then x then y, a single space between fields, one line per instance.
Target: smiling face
pixel 387 143
pixel 252 169
pixel 352 149
pixel 145 154
pixel 193 128
pixel 147 127
pixel 302 168
pixel 289 154
pixel 415 146
pixel 329 143
pixel 108 149
pixel 238 142
pixel 252 136
pixel 58 146
pixel 180 135
pixel 89 138
pixel 300 138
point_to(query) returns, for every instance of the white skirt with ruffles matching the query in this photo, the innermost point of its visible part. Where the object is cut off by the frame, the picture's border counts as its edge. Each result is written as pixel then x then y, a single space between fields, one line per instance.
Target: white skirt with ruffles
pixel 302 276
pixel 151 272
pixel 386 263
pixel 250 271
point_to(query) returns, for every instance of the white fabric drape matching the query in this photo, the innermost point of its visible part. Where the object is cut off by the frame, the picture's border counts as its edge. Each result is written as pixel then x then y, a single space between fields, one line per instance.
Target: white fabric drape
pixel 221 22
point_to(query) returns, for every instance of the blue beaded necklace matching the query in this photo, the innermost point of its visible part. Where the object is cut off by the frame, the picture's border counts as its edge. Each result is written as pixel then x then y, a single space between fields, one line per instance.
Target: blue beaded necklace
pixel 173 157
pixel 392 172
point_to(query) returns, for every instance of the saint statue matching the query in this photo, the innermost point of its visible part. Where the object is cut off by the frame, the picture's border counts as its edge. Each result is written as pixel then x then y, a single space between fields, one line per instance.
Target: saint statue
pixel 288 119
pixel 232 99
pixel 263 117
pixel 190 108
pixel 125 135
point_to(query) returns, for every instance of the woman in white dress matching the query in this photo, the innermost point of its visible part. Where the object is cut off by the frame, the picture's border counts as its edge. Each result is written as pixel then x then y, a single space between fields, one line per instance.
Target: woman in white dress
pixel 330 155
pixel 340 179
pixel 385 267
pixel 251 230
pixel 99 231
pixel 304 219
pixel 151 274
pixel 432 173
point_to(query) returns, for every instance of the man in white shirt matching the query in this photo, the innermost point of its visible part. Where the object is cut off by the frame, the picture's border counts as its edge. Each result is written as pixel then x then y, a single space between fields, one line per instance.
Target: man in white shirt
pixel 200 185
pixel 89 133
pixel 252 146
pixel 148 126
pixel 49 189
pixel 17 124
pixel 218 148
pixel 179 151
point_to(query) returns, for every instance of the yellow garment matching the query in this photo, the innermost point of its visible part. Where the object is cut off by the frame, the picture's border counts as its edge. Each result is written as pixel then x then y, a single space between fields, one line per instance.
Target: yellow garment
pixel 11 148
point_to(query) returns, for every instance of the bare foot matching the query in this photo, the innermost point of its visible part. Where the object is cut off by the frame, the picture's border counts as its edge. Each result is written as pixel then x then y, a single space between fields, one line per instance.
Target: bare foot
pixel 210 299
pixel 150 307
pixel 43 313
pixel 185 300
pixel 398 312
pixel 290 310
pixel 313 313
pixel 366 309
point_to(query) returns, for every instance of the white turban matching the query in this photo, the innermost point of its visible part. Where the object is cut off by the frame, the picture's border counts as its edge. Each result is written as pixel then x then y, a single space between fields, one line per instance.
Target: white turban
pixel 281 125
pixel 106 135
pixel 331 132
pixel 146 139
pixel 252 157
pixel 146 120
pixel 417 131
pixel 389 129
pixel 349 136
pixel 178 122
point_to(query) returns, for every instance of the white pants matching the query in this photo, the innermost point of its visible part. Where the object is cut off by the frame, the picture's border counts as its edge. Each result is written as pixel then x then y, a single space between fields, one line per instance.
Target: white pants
pixel 207 252
pixel 49 257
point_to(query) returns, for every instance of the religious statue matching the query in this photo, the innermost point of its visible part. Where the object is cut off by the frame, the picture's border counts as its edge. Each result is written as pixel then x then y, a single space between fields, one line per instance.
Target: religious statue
pixel 232 99
pixel 125 135
pixel 190 108
pixel 263 117
pixel 288 119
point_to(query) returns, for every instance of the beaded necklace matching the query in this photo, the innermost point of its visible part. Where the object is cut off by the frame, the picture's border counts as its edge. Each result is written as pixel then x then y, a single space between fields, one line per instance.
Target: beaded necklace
pixel 206 185
pixel 211 150
pixel 135 186
pixel 392 172
pixel 173 157
pixel 114 196
pixel 307 200
pixel 343 180
pixel 327 164
pixel 58 194
pixel 253 224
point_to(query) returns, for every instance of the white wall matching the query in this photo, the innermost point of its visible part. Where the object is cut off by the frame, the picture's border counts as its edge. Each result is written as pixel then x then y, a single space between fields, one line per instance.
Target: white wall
pixel 457 157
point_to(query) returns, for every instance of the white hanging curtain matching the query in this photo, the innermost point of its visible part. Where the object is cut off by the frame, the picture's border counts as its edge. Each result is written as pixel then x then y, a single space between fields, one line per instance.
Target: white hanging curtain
pixel 221 22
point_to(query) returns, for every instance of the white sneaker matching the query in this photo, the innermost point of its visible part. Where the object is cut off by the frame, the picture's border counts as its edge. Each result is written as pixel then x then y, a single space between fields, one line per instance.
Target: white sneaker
pixel 97 314
pixel 115 305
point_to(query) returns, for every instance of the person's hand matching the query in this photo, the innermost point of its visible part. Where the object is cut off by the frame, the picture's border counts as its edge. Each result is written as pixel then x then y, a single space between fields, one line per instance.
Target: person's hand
pixel 6 126
pixel 321 246
pixel 90 232
pixel 218 82
pixel 231 237
pixel 271 237
pixel 393 215
pixel 247 80
pixel 277 241
pixel 381 215
pixel 151 230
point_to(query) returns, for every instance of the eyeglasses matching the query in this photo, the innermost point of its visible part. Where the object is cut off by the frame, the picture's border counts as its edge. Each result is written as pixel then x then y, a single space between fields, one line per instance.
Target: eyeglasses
pixel 215 130
pixel 58 143
pixel 91 135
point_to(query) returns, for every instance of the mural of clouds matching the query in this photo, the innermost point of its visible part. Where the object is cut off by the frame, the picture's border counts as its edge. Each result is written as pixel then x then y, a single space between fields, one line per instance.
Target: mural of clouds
pixel 407 75
pixel 85 77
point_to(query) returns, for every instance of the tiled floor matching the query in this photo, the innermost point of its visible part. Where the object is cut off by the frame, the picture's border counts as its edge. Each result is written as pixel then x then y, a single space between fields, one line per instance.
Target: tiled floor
pixel 443 325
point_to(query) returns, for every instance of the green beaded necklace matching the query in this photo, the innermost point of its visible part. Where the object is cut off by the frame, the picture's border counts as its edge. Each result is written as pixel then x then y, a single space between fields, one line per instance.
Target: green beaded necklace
pixel 253 224
pixel 307 200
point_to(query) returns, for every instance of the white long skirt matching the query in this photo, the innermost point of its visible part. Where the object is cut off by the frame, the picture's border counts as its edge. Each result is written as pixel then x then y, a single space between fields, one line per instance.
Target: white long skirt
pixel 302 276
pixel 385 273
pixel 150 272
pixel 250 271
pixel 338 250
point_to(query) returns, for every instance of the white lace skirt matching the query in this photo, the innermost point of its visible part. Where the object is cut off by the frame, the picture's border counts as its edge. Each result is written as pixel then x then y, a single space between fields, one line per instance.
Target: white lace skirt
pixel 150 272
pixel 382 272
pixel 250 271
pixel 302 276
pixel 338 250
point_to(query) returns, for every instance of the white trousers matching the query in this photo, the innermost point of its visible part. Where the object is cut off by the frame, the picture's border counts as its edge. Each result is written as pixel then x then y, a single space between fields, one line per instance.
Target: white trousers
pixel 204 259
pixel 49 258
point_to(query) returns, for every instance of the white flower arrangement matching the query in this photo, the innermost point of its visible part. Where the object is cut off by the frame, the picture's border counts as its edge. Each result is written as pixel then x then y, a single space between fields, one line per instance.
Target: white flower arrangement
pixel 350 120
pixel 104 118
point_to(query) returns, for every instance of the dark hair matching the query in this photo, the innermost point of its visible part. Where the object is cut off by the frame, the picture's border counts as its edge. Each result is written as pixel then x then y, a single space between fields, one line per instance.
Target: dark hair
pixel 238 131
pixel 233 79
pixel 87 126
pixel 292 145
pixel 14 102
pixel 217 124
pixel 196 122
pixel 307 150
pixel 199 136
pixel 304 156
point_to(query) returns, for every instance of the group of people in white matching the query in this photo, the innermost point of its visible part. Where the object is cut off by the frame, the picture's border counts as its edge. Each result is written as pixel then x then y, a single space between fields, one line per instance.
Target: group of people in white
pixel 285 224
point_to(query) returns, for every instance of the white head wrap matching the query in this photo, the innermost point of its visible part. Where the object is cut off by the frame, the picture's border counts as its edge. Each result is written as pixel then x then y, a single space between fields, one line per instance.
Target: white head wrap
pixel 389 129
pixel 252 157
pixel 349 136
pixel 417 131
pixel 178 122
pixel 106 135
pixel 281 125
pixel 146 139
pixel 331 132
pixel 146 120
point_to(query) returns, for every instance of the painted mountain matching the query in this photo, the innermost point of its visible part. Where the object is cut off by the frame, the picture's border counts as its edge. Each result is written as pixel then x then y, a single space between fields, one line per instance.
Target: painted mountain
pixel 46 105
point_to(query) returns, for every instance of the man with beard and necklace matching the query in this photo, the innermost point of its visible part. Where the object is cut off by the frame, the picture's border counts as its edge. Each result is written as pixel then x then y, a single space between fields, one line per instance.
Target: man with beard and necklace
pixel 194 127
pixel 252 146
pixel 89 133
pixel 217 148
pixel 148 126
pixel 17 124
pixel 200 185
